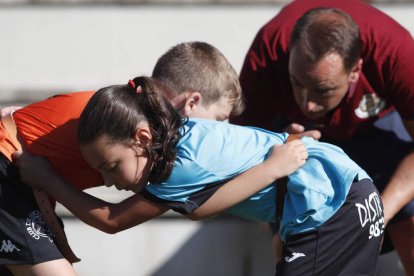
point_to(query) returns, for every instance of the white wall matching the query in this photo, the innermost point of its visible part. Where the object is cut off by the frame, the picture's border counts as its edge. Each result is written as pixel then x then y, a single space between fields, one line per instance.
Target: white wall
pixel 168 247
pixel 64 48
pixel 72 48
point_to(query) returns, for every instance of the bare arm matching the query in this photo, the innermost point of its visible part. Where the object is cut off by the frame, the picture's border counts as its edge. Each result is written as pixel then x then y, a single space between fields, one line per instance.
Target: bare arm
pixel 112 218
pixel 105 216
pixel 400 189
pixel 283 160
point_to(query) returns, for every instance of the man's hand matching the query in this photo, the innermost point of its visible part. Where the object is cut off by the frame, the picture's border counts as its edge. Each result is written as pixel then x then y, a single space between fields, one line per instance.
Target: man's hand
pixel 299 129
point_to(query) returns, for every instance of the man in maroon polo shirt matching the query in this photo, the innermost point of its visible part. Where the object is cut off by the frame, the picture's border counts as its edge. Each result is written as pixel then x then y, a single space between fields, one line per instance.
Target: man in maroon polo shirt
pixel 346 70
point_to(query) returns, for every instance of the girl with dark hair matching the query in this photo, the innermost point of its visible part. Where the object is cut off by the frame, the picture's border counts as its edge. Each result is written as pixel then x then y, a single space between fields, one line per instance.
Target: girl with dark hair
pixel 331 208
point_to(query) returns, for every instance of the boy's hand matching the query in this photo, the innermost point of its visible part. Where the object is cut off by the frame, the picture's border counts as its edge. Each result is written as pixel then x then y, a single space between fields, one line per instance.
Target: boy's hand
pixel 287 158
pixel 34 171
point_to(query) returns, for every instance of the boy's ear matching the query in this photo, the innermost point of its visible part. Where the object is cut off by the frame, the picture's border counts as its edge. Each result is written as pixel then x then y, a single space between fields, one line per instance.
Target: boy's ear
pixel 143 137
pixel 192 102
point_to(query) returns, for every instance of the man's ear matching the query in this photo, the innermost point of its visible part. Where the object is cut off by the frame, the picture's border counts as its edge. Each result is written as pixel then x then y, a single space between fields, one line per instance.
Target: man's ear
pixel 356 70
pixel 143 137
pixel 193 100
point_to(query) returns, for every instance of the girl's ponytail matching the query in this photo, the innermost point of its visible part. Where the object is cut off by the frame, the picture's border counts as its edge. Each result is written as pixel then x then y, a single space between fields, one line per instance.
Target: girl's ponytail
pixel 164 122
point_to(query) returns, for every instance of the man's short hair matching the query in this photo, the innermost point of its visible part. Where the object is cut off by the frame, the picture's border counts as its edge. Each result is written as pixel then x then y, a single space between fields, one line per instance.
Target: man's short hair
pixel 322 31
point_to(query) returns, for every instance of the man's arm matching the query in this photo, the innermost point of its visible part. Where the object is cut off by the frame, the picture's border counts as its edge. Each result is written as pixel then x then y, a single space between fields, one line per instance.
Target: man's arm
pixel 400 189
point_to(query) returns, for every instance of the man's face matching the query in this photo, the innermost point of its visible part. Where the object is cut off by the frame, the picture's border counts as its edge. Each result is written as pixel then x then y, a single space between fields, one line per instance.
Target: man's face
pixel 319 87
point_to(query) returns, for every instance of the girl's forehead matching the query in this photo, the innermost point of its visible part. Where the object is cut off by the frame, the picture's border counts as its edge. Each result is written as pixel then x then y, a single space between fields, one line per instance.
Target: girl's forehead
pixel 98 150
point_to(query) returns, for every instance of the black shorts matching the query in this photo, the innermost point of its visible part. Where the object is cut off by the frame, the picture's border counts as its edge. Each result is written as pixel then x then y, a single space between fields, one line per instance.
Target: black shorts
pixel 347 244
pixel 24 236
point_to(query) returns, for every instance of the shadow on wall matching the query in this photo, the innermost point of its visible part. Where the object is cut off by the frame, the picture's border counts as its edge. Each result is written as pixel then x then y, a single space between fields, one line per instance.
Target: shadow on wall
pixel 241 249
pixel 170 246
pixel 223 249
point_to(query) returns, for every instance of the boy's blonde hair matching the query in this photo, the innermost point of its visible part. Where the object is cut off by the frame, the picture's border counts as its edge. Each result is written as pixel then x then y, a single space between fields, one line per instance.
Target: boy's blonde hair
pixel 200 67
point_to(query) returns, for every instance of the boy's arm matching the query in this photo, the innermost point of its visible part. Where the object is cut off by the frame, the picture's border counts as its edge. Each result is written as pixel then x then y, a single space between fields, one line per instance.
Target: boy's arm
pixel 108 217
pixel 283 160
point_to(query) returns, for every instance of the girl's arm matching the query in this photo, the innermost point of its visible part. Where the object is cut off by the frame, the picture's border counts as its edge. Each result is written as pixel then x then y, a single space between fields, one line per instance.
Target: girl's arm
pixel 108 217
pixel 115 217
pixel 283 160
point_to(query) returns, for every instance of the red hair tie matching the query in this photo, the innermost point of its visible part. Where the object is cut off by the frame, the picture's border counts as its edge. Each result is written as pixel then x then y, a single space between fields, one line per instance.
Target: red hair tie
pixel 132 84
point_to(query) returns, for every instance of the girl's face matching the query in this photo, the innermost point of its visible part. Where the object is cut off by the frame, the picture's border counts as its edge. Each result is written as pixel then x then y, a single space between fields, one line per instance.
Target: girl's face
pixel 124 165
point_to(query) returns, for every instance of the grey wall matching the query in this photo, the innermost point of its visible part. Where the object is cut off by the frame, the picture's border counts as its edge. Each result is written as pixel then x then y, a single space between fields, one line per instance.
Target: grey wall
pixel 47 49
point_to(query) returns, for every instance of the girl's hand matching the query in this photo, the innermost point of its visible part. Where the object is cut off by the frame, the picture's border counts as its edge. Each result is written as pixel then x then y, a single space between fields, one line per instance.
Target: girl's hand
pixel 287 158
pixel 34 171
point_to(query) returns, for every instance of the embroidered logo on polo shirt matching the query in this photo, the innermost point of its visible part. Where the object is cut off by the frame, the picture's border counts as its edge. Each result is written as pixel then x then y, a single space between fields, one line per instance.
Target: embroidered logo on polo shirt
pixel 8 247
pixel 370 105
pixel 36 226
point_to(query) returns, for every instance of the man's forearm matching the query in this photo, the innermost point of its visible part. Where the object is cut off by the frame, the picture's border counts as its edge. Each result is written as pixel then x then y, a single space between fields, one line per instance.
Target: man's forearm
pixel 400 189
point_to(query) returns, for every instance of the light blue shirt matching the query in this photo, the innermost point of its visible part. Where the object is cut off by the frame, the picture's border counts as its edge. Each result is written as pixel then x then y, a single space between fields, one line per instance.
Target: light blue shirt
pixel 210 152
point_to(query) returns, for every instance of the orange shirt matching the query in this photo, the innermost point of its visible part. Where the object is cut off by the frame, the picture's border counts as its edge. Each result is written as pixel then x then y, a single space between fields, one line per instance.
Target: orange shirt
pixel 48 128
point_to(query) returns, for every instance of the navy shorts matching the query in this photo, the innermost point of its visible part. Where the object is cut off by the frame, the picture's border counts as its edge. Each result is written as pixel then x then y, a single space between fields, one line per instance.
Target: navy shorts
pixel 347 244
pixel 24 236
